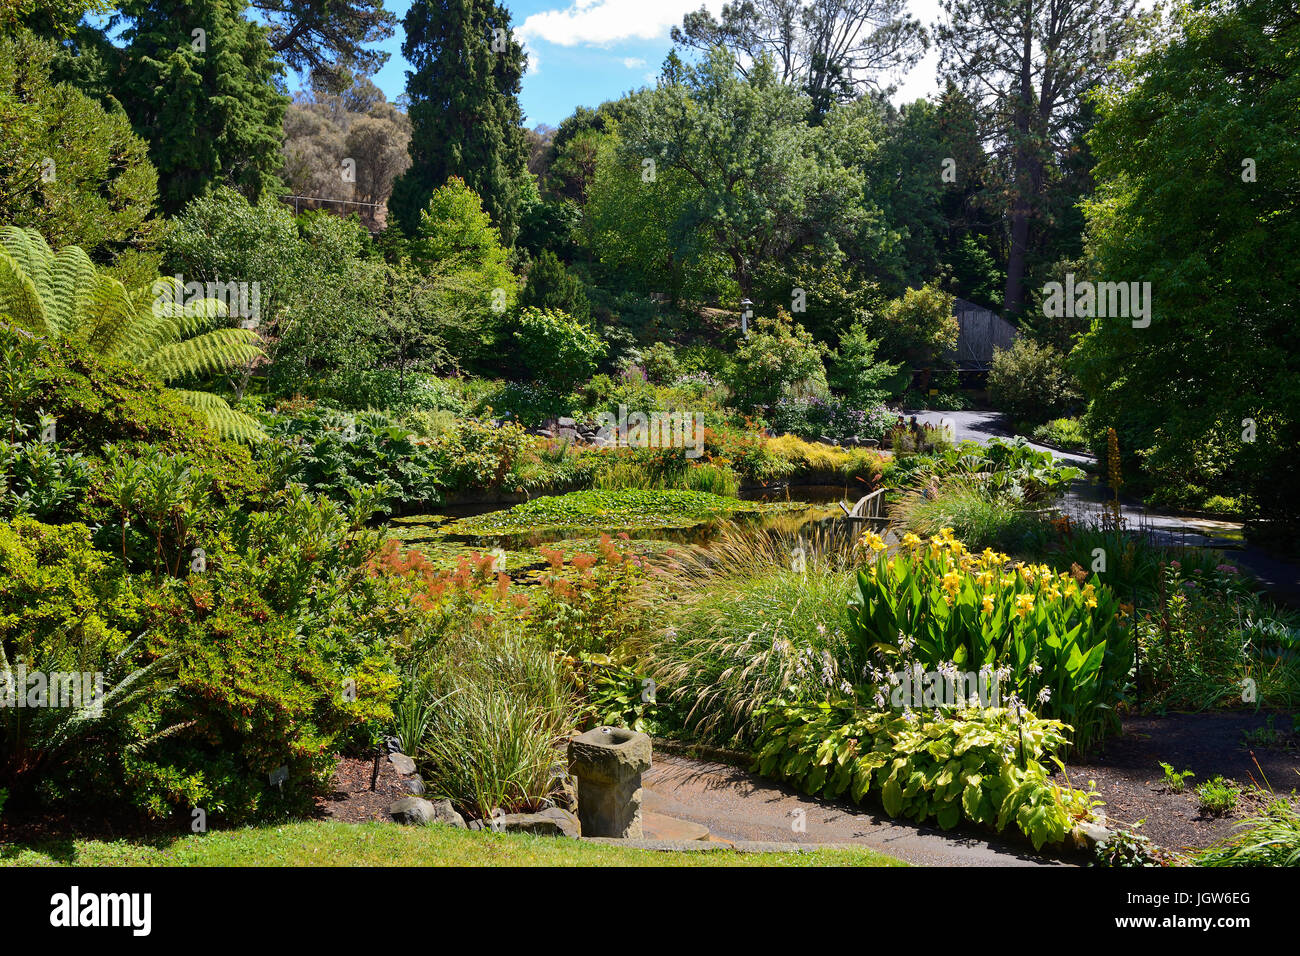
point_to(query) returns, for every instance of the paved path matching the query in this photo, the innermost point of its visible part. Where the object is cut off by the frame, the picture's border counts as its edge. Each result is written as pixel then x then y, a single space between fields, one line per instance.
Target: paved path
pixel 736 805
pixel 1278 575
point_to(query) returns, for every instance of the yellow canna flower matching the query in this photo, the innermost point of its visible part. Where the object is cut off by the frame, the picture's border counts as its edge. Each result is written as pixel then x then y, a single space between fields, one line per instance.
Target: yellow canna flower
pixel 1024 604
pixel 987 604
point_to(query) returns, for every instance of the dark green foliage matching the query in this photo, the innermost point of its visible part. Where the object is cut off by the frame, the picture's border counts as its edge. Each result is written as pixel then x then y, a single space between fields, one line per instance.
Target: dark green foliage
pixel 69 167
pixel 551 287
pixel 212 116
pixel 93 402
pixel 1030 382
pixel 464 113
pixel 1199 152
pixel 340 455
pixel 555 349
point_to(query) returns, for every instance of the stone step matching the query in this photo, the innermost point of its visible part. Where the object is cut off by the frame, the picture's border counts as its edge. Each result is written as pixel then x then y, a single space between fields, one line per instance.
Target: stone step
pixel 657 826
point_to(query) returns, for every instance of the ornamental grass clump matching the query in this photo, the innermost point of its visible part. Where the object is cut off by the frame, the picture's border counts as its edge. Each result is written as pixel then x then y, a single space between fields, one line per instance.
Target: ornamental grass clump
pixel 1059 641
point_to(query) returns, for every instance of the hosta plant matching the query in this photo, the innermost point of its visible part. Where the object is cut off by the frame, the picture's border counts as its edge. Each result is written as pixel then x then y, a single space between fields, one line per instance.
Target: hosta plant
pixel 983 765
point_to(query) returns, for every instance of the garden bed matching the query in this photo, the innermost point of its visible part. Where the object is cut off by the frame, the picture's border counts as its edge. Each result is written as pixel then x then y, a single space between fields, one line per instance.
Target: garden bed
pixel 1129 779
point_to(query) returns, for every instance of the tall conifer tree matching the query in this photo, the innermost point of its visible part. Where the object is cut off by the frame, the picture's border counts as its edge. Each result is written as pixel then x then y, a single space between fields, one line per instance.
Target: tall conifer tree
pixel 464 109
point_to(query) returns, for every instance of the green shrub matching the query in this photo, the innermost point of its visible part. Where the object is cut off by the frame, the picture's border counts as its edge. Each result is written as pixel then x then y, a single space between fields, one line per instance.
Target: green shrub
pixel 856 373
pixel 660 363
pixel 556 348
pixel 339 455
pixel 777 359
pixel 814 419
pixel 1064 433
pixel 96 402
pixel 284 640
pixel 1030 382
pixel 65 609
pixel 919 326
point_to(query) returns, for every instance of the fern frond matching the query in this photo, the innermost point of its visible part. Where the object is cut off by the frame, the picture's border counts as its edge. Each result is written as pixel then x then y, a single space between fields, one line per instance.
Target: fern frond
pixel 221 418
pixel 200 401
pixel 72 284
pixel 217 351
pixel 19 298
pixel 105 319
pixel 28 248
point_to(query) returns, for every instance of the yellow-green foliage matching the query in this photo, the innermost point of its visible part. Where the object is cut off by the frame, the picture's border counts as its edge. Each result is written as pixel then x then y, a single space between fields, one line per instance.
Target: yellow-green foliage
pixel 817 458
pixel 53 581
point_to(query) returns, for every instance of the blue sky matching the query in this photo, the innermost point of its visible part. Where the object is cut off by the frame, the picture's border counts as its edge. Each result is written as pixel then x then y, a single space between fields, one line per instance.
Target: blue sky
pixel 583 52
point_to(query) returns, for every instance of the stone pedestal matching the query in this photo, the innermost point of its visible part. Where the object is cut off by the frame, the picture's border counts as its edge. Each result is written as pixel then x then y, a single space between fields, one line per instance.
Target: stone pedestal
pixel 608 763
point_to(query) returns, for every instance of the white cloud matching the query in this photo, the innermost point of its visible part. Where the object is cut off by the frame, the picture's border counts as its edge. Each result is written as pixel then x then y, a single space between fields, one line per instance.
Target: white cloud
pixel 633 62
pixel 602 22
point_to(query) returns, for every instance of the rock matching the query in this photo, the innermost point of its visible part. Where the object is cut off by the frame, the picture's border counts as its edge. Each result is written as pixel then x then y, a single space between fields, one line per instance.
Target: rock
pixel 608 763
pixel 474 825
pixel 415 785
pixel 412 810
pixel 566 422
pixel 566 434
pixel 657 826
pixel 402 764
pixel 1089 833
pixel 392 745
pixel 549 822
pixel 444 812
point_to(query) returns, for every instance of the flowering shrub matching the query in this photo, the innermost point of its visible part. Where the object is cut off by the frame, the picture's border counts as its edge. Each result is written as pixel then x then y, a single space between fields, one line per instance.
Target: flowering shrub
pixel 1059 640
pixel 981 765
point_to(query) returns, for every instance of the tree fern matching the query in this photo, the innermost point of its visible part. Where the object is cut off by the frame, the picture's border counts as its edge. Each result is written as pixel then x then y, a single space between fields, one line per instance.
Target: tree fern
pixel 64 297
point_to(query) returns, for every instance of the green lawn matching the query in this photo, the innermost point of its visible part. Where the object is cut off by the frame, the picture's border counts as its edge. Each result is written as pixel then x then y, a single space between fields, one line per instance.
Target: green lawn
pixel 381 844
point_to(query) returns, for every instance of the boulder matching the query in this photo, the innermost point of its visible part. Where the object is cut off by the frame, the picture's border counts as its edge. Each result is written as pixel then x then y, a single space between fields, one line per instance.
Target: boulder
pixel 415 811
pixel 444 812
pixel 549 822
pixel 402 764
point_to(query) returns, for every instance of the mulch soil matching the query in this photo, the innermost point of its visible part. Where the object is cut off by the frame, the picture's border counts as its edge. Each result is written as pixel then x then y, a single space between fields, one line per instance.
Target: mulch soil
pixel 1127 774
pixel 351 799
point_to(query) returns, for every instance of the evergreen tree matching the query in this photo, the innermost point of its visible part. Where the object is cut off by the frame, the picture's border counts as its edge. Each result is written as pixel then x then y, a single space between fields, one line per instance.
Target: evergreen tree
pixel 464 112
pixel 550 286
pixel 201 84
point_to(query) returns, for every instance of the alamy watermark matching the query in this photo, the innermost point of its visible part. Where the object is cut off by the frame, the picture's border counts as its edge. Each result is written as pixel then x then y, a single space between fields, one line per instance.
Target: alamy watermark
pixel 242 300
pixel 79 690
pixel 1098 300
pixel 656 430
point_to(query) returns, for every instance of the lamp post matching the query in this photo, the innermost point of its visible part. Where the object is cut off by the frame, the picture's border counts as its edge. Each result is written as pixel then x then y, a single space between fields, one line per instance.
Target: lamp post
pixel 746 309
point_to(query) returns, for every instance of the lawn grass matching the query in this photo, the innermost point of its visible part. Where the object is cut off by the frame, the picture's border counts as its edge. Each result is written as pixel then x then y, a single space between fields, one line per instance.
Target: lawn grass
pixel 383 844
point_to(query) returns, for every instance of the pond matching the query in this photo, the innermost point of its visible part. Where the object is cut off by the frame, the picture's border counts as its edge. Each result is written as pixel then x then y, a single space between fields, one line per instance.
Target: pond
pixel 449 534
